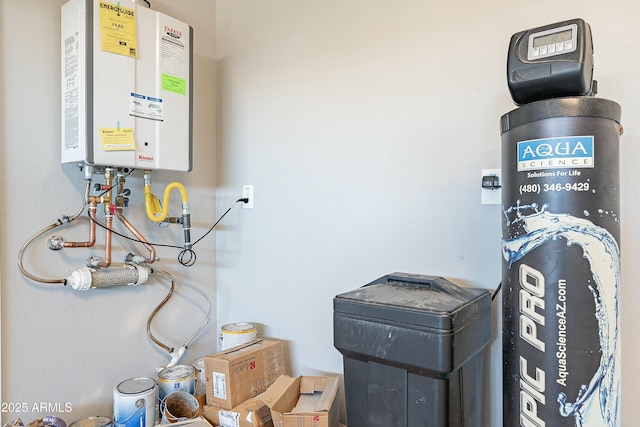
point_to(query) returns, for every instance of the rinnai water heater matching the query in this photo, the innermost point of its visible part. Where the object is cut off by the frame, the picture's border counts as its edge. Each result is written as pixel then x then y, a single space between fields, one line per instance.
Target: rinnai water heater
pixel 126 86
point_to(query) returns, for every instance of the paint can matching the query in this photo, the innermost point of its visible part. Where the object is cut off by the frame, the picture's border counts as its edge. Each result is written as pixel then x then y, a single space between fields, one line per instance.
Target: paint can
pixel 201 378
pixel 235 334
pixel 53 421
pixel 176 378
pixel 135 403
pixel 97 421
pixel 179 406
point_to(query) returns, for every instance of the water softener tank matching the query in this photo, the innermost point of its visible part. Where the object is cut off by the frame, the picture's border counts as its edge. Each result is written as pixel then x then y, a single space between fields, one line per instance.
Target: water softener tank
pixel 561 260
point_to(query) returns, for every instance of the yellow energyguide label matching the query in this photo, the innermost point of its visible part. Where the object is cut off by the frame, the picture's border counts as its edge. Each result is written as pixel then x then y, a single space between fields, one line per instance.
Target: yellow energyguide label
pixel 118 29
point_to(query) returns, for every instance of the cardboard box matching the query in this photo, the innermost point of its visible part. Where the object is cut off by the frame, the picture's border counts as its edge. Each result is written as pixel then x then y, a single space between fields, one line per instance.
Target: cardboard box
pixel 303 401
pixel 252 413
pixel 240 373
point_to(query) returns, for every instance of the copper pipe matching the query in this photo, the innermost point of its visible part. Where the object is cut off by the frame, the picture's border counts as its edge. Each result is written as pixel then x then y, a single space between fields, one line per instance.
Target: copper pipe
pixel 107 243
pixel 120 203
pixel 108 216
pixel 92 232
pixel 139 236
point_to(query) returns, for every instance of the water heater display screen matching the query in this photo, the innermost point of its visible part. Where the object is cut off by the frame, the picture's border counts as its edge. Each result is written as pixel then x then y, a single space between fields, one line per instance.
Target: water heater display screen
pixel 556 41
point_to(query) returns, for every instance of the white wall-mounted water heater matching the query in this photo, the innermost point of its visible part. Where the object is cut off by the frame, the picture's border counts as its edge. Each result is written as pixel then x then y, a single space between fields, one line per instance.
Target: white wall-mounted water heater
pixel 126 86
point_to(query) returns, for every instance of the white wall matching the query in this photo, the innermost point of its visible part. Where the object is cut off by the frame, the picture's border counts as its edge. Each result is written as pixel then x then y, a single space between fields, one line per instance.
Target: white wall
pixel 61 346
pixel 364 126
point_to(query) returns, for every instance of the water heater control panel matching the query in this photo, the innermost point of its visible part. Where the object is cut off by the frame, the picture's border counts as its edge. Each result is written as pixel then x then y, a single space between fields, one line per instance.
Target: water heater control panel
pixel 551 61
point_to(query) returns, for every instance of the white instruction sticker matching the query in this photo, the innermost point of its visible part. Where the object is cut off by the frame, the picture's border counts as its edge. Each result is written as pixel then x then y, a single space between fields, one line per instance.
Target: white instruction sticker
pixel 145 106
pixel 219 385
pixel 228 418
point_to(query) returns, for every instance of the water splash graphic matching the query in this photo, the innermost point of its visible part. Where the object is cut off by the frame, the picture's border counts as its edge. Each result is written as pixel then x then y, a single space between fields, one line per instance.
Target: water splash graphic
pixel 597 403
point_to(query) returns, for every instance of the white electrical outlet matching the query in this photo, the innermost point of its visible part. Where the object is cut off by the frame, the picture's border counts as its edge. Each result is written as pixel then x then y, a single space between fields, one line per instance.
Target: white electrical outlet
pixel 247 193
pixel 490 196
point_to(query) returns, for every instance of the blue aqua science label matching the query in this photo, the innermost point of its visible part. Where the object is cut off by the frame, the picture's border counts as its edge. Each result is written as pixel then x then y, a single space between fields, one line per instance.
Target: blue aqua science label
pixel 552 153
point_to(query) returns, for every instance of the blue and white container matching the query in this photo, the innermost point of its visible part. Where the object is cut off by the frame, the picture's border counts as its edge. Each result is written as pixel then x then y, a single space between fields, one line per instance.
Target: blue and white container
pixel 135 403
pixel 176 378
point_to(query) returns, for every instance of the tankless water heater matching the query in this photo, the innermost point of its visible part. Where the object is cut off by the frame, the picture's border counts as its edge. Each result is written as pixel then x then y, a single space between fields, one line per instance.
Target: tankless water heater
pixel 126 86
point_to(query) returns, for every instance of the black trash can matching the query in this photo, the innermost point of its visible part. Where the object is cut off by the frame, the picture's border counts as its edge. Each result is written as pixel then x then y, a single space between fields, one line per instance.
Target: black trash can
pixel 412 347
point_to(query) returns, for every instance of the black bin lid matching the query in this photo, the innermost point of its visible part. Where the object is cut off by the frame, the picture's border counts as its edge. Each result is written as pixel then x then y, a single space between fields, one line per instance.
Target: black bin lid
pixel 419 300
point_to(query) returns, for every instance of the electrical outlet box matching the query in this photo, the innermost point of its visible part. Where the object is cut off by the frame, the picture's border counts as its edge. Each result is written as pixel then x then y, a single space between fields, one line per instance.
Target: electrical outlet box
pixel 491 196
pixel 126 86
pixel 247 193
